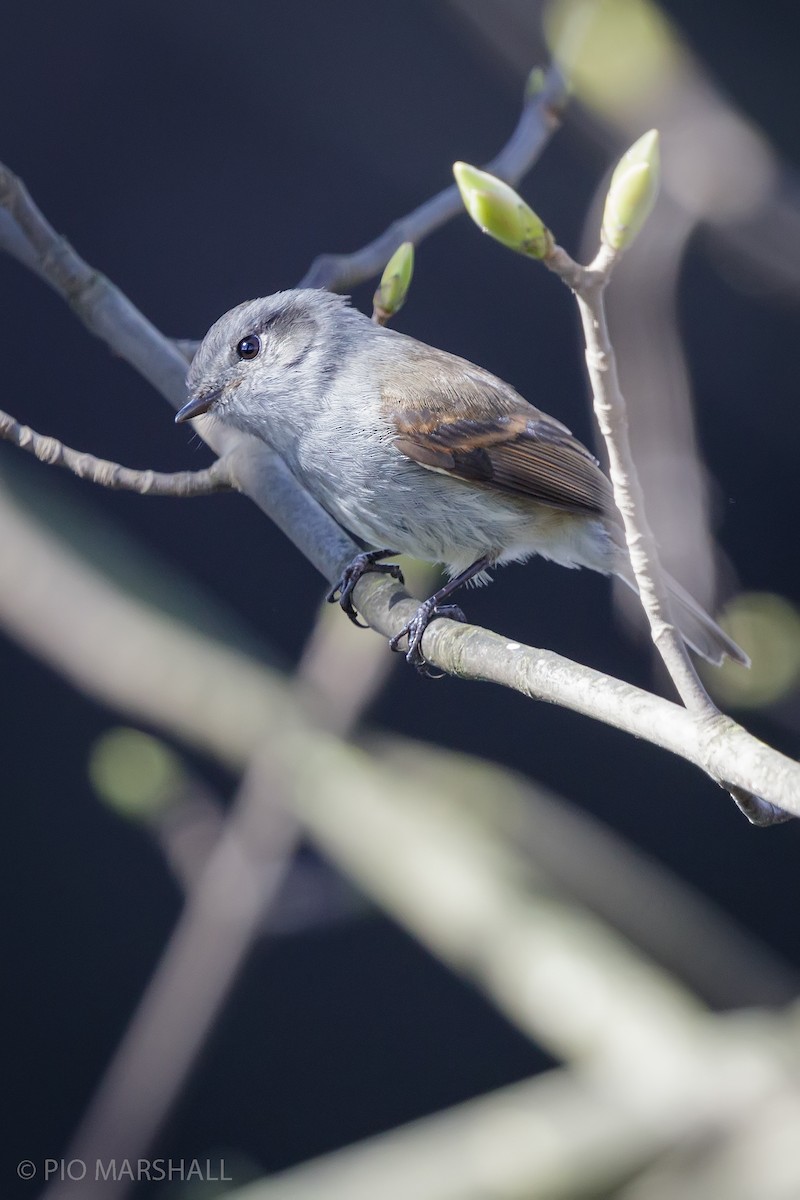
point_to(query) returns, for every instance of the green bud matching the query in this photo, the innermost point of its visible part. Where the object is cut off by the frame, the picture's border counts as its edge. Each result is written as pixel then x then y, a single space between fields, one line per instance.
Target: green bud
pixel 390 296
pixel 632 192
pixel 499 211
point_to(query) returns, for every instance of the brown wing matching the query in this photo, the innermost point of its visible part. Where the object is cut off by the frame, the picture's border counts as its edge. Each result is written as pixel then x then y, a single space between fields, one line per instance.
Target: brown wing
pixel 454 417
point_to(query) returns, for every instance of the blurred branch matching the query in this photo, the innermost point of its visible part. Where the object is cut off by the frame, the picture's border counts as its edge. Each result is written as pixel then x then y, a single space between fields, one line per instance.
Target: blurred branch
pixel 765 243
pixel 341 671
pixel 182 484
pixel 554 1138
pixel 222 702
pixel 543 1139
pixel 751 1155
pixel 232 892
pixel 222 916
pixel 561 976
pixel 540 117
pixel 339 674
pixel 584 859
pixel 187 824
pixel 186 828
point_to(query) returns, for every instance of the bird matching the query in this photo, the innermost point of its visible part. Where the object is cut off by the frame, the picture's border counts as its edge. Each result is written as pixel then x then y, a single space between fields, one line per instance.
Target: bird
pixel 416 451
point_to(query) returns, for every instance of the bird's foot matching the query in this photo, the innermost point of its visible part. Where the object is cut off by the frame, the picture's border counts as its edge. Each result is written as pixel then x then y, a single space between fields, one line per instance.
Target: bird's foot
pixel 362 564
pixel 414 630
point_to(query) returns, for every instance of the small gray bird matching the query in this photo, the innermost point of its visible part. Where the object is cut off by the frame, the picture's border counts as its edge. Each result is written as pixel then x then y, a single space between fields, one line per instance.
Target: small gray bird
pixel 416 451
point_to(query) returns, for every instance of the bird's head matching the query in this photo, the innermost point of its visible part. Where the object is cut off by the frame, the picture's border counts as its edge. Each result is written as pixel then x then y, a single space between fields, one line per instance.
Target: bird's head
pixel 255 357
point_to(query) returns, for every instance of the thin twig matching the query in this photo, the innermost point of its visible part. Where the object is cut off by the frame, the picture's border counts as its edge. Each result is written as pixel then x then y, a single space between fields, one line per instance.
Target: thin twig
pixel 541 115
pixel 110 474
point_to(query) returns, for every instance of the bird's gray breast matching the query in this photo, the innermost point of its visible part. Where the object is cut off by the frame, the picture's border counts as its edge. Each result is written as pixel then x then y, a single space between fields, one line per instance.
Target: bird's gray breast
pixel 347 459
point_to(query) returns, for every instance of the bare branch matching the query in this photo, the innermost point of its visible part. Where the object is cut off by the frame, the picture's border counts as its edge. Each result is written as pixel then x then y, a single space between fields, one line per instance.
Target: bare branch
pixel 540 117
pixel 642 313
pixel 611 412
pixel 222 916
pixel 588 285
pixel 95 300
pixel 110 474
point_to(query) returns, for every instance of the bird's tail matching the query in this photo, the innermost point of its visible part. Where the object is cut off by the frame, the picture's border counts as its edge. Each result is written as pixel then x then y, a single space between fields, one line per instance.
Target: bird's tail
pixel 700 631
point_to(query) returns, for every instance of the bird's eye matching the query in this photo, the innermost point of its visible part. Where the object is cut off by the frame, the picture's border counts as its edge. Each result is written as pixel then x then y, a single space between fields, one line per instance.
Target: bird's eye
pixel 249 347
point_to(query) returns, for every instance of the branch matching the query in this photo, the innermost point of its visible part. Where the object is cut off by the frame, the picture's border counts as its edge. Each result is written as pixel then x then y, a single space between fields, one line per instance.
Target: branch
pixel 229 897
pixel 582 858
pixel 499 211
pixel 610 409
pixel 643 319
pixel 97 658
pixel 723 749
pixel 465 892
pixel 197 970
pixel 540 117
pixel 29 237
pixel 545 1138
pixel 110 474
pixel 588 286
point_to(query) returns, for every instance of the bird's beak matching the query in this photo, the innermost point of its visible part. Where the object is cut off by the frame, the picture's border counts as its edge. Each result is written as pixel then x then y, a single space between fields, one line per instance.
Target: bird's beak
pixel 198 405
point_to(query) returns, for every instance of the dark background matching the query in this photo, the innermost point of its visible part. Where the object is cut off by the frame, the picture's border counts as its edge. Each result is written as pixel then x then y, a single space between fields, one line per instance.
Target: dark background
pixel 200 154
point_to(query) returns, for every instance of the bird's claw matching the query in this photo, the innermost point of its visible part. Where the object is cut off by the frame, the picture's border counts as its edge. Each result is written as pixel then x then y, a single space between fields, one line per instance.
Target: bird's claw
pixel 415 629
pixel 363 564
